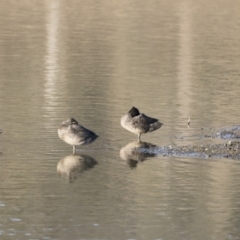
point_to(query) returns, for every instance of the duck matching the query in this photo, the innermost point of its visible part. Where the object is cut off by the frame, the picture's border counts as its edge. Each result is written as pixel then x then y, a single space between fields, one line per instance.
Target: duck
pixel 139 123
pixel 72 133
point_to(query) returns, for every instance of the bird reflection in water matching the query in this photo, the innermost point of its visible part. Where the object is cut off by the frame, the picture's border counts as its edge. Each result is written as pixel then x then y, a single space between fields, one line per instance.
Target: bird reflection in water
pixel 70 167
pixel 136 152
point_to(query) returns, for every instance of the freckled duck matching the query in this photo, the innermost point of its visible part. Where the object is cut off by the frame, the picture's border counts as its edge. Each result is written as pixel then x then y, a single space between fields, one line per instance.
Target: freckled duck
pixel 74 134
pixel 139 123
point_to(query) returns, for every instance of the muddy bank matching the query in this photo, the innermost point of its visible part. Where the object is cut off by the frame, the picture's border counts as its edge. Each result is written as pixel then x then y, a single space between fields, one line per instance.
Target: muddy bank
pixel 227 133
pixel 227 149
pixel 230 133
pixel 230 149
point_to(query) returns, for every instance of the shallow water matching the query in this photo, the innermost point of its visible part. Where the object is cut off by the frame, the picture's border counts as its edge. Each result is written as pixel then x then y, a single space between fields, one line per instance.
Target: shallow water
pixel 93 61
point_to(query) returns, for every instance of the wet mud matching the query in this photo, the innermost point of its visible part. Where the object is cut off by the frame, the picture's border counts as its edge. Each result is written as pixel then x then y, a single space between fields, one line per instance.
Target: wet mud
pixel 226 149
pixel 230 149
pixel 230 133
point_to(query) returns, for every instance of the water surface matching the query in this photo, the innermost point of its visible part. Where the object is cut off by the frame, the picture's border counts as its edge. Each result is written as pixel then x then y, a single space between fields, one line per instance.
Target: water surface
pixel 93 61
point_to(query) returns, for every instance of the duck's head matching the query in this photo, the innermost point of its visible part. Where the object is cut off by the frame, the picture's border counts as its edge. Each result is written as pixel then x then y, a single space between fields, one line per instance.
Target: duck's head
pixel 70 121
pixel 134 112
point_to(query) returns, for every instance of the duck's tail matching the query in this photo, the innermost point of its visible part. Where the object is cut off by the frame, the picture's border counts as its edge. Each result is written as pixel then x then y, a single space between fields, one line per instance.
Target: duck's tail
pixel 154 126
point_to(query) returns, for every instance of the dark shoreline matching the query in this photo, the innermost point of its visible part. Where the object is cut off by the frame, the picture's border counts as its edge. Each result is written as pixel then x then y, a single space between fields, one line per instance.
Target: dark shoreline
pixel 227 149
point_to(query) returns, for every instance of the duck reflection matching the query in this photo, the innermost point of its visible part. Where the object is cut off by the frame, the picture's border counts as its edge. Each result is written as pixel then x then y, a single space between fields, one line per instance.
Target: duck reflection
pixel 70 167
pixel 136 152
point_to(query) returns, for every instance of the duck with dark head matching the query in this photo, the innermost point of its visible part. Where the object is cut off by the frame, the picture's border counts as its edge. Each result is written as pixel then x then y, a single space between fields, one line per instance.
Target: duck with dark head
pixel 139 123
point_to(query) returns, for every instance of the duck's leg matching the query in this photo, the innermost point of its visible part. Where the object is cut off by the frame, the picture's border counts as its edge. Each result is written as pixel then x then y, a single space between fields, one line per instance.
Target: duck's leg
pixel 139 137
pixel 74 150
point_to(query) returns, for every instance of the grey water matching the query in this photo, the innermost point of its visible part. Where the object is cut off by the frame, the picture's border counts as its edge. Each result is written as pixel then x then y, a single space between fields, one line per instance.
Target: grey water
pixel 94 60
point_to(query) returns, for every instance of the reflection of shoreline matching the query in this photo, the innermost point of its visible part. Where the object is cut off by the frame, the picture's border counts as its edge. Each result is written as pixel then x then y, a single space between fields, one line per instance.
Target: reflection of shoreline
pixel 70 167
pixel 135 152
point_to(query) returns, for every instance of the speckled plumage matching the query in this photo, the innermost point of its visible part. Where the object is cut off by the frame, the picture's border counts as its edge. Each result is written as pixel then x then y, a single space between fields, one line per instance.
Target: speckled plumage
pixel 139 123
pixel 74 134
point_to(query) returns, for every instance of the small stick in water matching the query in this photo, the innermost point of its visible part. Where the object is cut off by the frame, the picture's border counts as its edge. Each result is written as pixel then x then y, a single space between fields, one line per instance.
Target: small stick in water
pixel 188 122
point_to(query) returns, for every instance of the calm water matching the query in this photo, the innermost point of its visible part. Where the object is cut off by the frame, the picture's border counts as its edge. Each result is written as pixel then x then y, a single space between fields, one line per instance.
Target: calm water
pixel 94 60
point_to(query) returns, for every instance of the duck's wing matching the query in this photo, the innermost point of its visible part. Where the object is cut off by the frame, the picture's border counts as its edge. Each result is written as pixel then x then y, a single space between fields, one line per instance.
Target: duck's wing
pixel 147 119
pixel 147 123
pixel 82 131
pixel 142 122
